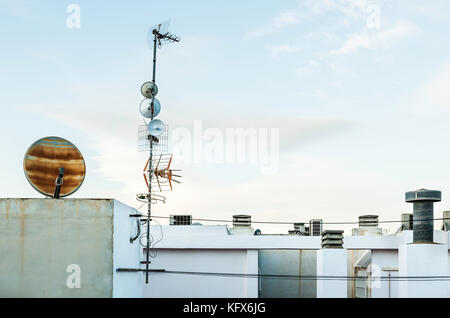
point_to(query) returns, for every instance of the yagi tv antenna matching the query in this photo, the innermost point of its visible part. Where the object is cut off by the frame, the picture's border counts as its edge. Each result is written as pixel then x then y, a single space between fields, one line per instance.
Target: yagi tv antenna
pixel 153 137
pixel 160 32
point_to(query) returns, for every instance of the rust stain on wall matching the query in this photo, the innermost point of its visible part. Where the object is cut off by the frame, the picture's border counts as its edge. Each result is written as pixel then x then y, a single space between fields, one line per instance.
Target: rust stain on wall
pixel 7 208
pixel 22 237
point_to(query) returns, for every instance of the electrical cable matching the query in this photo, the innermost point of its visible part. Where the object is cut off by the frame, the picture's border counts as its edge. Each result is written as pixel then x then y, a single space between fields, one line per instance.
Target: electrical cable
pixel 290 223
pixel 310 277
pixel 155 252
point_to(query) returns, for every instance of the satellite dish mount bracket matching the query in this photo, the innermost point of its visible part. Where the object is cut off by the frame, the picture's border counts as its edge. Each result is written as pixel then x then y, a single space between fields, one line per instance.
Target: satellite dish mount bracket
pixel 58 183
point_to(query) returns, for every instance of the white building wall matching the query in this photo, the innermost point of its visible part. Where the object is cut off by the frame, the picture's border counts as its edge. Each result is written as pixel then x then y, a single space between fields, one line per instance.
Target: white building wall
pixel 213 249
pixel 125 253
pixel 252 283
pixel 383 264
pixel 418 260
pixel 203 286
pixel 332 262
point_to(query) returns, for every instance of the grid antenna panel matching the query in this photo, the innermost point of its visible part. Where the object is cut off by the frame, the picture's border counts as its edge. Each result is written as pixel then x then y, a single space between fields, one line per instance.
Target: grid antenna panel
pixel 160 144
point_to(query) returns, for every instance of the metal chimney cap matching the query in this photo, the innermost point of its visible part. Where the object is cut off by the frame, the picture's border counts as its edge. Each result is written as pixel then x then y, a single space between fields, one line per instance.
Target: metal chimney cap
pixel 242 216
pixel 423 195
pixel 368 216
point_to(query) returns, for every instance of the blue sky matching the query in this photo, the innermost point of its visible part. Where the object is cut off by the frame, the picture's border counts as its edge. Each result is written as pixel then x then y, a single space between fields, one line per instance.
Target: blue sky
pixel 362 103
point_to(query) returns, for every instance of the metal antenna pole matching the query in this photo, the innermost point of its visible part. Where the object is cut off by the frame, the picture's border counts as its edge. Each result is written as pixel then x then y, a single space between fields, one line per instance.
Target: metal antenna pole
pixel 149 212
pixel 157 37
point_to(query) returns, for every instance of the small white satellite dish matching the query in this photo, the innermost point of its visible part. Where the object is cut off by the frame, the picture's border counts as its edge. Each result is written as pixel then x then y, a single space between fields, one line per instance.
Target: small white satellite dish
pixel 156 127
pixel 149 89
pixel 146 107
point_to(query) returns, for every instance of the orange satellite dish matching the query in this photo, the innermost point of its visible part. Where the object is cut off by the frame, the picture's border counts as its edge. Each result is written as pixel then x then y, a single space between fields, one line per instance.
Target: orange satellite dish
pixel 43 161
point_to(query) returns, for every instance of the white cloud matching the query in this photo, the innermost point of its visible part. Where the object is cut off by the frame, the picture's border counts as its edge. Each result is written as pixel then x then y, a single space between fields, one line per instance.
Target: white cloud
pixel 285 19
pixel 280 21
pixel 18 8
pixel 432 99
pixel 309 68
pixel 276 50
pixel 373 39
pixel 437 89
pixel 113 136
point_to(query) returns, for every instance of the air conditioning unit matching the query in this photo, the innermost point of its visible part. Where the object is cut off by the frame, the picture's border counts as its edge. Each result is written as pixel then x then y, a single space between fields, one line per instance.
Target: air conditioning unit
pixel 181 220
pixel 315 227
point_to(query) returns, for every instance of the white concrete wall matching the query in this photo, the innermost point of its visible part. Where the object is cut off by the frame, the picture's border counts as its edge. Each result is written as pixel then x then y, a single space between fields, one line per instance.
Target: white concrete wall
pixel 126 254
pixel 332 262
pixel 417 260
pixel 213 249
pixel 383 264
pixel 203 286
pixel 40 238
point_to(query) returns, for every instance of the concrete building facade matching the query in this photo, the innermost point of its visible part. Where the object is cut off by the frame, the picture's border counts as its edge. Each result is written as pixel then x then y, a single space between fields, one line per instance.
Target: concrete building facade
pixel 67 248
pixel 85 248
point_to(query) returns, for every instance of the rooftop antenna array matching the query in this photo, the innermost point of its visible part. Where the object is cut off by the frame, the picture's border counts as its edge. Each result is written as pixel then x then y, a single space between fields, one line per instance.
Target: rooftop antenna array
pixel 153 137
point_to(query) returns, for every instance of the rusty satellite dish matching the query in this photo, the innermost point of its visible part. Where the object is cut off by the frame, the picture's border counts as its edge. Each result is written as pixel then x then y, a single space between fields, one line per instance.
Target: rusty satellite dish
pixel 54 167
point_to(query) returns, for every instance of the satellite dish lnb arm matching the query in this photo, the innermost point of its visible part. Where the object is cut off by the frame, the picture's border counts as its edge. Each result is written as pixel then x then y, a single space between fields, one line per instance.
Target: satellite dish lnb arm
pixel 58 183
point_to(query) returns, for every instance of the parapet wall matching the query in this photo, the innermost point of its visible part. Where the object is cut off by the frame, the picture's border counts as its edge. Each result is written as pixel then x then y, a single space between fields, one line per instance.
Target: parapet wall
pixel 41 238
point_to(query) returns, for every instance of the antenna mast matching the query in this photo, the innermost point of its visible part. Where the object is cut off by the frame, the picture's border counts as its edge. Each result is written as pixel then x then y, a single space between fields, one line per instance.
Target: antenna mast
pixel 155 139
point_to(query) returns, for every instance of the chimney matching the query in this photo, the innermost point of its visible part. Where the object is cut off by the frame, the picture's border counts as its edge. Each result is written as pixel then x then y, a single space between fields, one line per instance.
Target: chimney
pixel 423 201
pixel 332 239
pixel 407 221
pixel 242 221
pixel 180 220
pixel 368 221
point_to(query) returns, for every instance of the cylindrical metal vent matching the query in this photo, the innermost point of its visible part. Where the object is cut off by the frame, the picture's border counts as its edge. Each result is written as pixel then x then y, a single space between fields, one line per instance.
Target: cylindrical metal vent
pixel 423 201
pixel 332 239
pixel 242 220
pixel 368 221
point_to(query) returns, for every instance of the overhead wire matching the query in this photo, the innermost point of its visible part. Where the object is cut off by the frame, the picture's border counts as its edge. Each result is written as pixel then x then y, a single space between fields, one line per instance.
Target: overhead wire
pixel 292 222
pixel 308 277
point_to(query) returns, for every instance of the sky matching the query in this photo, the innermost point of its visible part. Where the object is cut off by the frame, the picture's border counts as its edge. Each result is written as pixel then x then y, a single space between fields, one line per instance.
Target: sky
pixel 354 92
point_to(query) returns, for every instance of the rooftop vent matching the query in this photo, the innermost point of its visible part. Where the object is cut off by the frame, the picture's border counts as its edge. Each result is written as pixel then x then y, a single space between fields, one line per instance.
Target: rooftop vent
pixel 181 220
pixel 332 239
pixel 407 221
pixel 315 227
pixel 423 201
pixel 368 221
pixel 242 220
